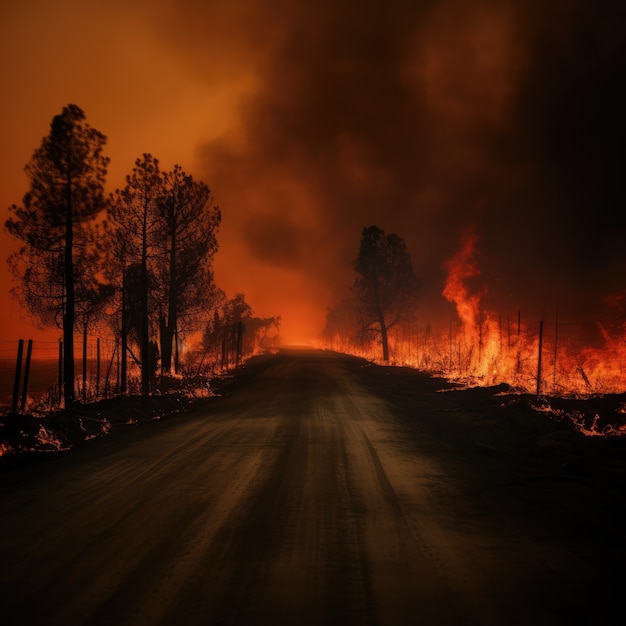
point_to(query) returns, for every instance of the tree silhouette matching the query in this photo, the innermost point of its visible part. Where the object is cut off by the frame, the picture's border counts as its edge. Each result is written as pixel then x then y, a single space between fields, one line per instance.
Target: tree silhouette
pixel 187 243
pixel 162 225
pixel 134 213
pixel 234 328
pixel 67 176
pixel 91 295
pixel 386 289
pixel 135 320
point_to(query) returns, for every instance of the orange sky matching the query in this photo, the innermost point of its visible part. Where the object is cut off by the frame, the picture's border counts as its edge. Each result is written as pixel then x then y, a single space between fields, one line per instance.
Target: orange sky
pixel 311 120
pixel 145 97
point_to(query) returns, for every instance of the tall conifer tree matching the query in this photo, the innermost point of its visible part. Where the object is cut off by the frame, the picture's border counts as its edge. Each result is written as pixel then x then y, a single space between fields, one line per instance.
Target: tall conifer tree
pixel 67 175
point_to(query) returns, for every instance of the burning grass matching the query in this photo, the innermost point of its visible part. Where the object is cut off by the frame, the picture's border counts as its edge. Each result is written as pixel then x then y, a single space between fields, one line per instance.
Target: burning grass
pixel 596 416
pixel 574 368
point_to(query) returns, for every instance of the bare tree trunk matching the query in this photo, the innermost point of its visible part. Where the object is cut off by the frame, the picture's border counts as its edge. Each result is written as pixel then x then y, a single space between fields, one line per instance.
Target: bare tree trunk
pixel 176 351
pixel 166 344
pixel 168 326
pixel 68 313
pixel 85 362
pixel 385 338
pixel 124 335
pixel 144 342
pixel 382 324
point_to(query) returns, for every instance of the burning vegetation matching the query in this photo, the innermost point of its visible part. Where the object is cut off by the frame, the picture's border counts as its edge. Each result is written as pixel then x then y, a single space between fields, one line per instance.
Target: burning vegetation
pixel 579 383
pixel 488 349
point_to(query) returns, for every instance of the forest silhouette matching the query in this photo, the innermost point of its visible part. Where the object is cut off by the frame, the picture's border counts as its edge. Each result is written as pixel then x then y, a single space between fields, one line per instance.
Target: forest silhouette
pixel 136 263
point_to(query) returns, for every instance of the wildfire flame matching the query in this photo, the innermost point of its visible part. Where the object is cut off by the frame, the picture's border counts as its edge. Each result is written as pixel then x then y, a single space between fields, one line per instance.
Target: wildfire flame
pixel 476 351
pixel 461 267
pixel 485 348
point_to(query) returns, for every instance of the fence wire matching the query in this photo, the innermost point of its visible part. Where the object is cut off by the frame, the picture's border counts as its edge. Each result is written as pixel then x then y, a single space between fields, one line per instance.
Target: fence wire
pixel 96 363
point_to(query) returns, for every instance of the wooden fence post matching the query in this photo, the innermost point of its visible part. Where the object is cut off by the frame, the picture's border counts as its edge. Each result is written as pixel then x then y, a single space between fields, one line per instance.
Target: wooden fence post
pixel 556 349
pixel 240 329
pixel 60 373
pixel 539 359
pixel 18 371
pixel 85 363
pixel 97 367
pixel 518 364
pixel 29 353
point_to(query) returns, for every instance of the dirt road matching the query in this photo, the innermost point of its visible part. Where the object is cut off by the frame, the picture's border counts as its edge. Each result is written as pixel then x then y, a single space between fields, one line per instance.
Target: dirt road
pixel 303 496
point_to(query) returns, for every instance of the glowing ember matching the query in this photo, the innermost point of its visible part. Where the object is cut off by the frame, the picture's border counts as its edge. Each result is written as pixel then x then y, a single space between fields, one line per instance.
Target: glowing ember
pixel 47 439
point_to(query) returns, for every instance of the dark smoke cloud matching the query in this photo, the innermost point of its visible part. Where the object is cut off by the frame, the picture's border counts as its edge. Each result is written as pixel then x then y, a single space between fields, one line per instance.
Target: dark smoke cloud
pixel 424 118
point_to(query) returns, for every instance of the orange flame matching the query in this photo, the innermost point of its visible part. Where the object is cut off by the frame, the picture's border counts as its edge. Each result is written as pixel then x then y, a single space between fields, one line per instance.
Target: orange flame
pixel 483 349
pixel 461 267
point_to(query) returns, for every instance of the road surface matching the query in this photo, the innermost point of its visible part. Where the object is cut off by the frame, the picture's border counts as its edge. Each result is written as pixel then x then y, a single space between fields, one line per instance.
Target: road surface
pixel 300 497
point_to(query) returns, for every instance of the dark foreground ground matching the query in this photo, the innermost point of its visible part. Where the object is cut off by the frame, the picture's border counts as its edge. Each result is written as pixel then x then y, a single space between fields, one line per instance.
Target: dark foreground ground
pixel 320 489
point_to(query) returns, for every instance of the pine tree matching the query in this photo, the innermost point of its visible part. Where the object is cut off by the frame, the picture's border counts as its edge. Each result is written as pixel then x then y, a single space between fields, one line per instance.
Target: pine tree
pixel 188 224
pixel 134 215
pixel 67 175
